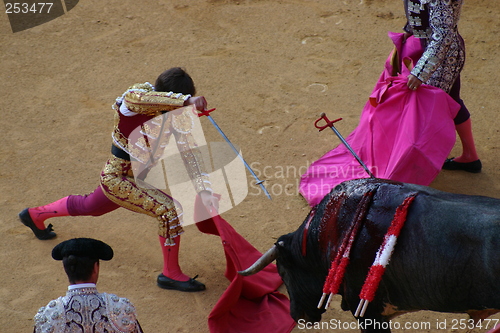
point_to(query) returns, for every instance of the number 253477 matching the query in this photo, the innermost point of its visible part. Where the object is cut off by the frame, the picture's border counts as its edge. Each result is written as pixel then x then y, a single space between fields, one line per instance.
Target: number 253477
pixel 27 8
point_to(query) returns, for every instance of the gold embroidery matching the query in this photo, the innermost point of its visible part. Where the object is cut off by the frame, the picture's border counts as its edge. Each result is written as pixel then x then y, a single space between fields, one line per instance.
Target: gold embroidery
pixel 142 99
pixel 193 161
pixel 183 122
pixel 118 184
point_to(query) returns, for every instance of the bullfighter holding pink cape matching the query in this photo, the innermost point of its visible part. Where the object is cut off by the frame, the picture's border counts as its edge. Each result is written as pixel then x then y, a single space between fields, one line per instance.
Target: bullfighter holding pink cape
pixel 403 135
pixel 406 129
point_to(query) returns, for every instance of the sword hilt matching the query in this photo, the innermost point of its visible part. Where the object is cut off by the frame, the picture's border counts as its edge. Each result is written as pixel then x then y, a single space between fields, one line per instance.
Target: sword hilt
pixel 329 123
pixel 205 113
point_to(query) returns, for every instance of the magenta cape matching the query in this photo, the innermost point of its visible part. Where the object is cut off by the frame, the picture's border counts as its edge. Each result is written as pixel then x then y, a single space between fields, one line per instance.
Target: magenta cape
pixel 403 135
pixel 496 329
pixel 250 304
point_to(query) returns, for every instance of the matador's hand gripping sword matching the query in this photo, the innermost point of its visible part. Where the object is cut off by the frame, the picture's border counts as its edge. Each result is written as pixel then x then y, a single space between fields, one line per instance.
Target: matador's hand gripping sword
pixel 258 181
pixel 330 123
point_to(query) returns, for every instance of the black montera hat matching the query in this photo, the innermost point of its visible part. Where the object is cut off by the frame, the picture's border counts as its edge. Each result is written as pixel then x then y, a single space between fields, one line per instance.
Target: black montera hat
pixel 83 247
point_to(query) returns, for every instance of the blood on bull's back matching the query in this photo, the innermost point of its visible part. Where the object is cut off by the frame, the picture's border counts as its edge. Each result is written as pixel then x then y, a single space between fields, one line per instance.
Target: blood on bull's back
pixel 447 256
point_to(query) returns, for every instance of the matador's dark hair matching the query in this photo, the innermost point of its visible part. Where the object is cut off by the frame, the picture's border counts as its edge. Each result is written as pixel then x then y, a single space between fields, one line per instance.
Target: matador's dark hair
pixel 79 256
pixel 78 268
pixel 177 80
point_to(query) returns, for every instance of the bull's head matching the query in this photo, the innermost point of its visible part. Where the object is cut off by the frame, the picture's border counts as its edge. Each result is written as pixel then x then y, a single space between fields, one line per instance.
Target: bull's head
pixel 303 276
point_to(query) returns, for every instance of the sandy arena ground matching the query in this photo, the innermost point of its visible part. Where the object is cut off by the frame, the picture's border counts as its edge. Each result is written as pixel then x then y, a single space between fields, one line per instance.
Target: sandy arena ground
pixel 269 67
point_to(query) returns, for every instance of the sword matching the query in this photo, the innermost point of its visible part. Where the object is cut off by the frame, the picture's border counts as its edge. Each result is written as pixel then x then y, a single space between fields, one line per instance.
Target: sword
pixel 330 123
pixel 258 181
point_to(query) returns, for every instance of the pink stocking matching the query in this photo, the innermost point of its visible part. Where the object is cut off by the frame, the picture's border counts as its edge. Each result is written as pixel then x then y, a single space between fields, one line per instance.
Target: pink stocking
pixel 171 266
pixel 464 131
pixel 40 214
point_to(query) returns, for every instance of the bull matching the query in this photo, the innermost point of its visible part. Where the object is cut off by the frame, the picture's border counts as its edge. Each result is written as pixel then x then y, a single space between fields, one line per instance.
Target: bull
pixel 447 256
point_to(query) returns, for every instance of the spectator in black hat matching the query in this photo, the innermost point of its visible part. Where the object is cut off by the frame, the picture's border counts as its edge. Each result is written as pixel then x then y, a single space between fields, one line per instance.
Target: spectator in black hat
pixel 83 309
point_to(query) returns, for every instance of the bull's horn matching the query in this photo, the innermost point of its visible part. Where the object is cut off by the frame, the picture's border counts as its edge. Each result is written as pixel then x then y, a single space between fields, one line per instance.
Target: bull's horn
pixel 262 262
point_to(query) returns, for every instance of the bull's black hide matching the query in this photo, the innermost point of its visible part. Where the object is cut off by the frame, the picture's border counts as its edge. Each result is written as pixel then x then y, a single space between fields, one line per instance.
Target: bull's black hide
pixel 447 257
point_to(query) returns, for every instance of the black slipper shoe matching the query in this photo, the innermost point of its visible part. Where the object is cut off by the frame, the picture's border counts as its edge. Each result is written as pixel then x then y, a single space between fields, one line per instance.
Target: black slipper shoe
pixel 474 167
pixel 47 233
pixel 189 285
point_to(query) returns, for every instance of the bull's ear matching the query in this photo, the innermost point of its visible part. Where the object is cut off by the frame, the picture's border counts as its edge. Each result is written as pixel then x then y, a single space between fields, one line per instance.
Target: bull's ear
pixel 283 241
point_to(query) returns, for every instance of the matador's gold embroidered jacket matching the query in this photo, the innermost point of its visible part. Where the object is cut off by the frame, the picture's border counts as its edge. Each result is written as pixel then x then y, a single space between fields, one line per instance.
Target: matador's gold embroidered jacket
pixel 141 106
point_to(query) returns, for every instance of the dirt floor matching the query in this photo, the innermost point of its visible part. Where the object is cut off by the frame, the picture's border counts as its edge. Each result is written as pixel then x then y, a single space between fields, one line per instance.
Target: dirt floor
pixel 269 67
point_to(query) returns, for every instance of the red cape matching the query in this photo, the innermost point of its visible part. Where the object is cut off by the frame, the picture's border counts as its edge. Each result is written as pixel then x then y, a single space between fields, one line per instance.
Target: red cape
pixel 250 304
